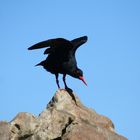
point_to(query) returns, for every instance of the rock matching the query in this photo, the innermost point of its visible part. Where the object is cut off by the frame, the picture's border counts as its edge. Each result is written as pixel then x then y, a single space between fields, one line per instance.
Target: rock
pixel 23 126
pixel 65 118
pixel 4 131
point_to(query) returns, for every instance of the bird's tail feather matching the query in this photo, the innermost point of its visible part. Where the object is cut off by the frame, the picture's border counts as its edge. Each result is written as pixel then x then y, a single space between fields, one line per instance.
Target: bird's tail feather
pixel 41 63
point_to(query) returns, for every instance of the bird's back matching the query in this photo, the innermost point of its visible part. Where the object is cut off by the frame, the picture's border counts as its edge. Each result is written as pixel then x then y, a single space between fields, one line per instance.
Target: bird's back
pixel 61 54
pixel 56 59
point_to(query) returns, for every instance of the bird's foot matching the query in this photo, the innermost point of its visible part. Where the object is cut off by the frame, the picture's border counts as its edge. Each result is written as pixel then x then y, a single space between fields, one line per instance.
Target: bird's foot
pixel 66 89
pixel 69 90
pixel 61 89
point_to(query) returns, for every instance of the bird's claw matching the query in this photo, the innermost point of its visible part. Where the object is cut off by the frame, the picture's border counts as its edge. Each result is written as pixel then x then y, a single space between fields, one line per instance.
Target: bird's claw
pixel 69 90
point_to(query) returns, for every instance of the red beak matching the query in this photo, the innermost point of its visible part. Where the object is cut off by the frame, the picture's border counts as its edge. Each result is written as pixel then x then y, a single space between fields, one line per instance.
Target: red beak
pixel 81 78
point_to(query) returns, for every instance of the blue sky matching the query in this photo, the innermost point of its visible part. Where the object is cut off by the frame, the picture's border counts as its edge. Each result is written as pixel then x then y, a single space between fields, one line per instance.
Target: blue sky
pixel 110 59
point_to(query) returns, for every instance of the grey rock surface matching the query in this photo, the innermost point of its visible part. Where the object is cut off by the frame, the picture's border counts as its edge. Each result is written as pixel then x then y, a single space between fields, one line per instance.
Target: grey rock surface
pixel 63 119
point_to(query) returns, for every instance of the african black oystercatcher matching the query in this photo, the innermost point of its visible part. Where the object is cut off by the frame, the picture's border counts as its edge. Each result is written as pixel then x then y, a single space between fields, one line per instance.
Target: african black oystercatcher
pixel 61 57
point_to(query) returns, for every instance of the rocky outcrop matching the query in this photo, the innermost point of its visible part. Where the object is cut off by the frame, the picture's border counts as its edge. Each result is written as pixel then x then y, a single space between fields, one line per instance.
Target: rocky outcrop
pixel 65 118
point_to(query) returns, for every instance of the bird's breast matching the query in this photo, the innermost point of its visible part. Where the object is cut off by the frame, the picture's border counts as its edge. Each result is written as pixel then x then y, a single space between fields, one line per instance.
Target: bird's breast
pixel 53 65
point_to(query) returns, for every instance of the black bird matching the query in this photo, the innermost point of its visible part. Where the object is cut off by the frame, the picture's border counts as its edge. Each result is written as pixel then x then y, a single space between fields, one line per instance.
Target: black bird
pixel 61 57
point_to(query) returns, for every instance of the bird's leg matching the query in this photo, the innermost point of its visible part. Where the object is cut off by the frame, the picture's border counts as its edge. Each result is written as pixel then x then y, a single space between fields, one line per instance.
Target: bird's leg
pixel 57 81
pixel 66 87
pixel 70 91
pixel 64 80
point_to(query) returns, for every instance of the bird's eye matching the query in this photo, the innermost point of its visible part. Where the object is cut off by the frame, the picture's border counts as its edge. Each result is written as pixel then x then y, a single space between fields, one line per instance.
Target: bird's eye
pixel 77 72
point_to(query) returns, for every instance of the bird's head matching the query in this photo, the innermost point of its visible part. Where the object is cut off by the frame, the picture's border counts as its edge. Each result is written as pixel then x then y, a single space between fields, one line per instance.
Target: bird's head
pixel 79 74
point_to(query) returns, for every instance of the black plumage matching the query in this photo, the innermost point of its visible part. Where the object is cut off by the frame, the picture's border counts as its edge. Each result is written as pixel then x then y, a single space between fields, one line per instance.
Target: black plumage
pixel 61 57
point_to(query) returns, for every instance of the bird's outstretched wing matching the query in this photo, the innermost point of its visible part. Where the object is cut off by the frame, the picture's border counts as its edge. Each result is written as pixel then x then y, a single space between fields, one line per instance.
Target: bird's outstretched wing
pixel 40 45
pixel 78 42
pixel 60 44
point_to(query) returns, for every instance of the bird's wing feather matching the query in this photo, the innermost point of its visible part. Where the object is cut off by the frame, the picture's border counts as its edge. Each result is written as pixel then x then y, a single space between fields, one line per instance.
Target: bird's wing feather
pixel 41 44
pixel 78 42
pixel 59 45
pixel 53 44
